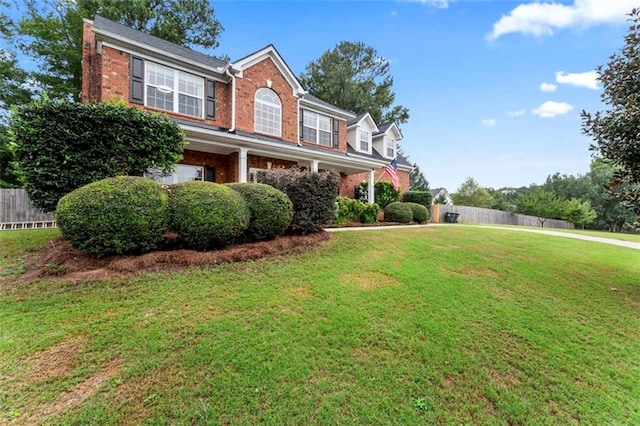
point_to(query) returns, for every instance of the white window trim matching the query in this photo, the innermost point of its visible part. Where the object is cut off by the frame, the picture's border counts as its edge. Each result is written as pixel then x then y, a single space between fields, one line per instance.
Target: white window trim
pixel 386 147
pixel 174 89
pixel 359 139
pixel 257 101
pixel 317 127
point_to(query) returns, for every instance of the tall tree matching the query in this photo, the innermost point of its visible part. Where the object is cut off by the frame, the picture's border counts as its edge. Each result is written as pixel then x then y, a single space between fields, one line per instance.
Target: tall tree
pixel 472 195
pixel 50 32
pixel 14 88
pixel 353 76
pixel 417 181
pixel 615 130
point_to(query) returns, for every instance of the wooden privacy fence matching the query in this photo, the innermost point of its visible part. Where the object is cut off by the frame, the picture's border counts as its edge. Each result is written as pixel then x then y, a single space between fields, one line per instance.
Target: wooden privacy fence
pixel 498 217
pixel 17 212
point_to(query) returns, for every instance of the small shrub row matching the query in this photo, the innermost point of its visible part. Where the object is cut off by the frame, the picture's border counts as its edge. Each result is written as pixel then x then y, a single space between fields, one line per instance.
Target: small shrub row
pixel 129 215
pixel 350 210
pixel 313 195
pixel 406 212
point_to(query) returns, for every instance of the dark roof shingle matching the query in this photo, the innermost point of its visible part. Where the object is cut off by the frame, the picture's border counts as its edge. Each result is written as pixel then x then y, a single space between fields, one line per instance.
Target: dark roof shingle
pixel 104 24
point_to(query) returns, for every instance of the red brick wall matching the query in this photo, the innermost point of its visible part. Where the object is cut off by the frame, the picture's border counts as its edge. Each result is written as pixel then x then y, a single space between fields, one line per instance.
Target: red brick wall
pixel 350 181
pixel 259 162
pixel 106 77
pixel 255 78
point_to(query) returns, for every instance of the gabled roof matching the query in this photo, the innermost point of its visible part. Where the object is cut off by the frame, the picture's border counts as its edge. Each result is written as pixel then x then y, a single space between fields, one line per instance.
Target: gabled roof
pixel 434 192
pixel 315 101
pixel 402 161
pixel 362 117
pixel 112 29
pixel 388 127
pixel 269 51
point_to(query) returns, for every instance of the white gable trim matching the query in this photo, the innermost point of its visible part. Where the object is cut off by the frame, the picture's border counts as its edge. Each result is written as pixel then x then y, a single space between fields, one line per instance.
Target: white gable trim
pixel 261 55
pixel 372 124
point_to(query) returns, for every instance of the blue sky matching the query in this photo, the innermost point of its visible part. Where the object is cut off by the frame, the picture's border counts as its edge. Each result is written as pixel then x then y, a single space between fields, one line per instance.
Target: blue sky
pixel 470 73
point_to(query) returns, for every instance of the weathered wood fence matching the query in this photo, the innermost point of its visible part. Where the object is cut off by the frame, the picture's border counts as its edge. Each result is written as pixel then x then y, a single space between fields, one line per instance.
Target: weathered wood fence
pixel 17 212
pixel 498 217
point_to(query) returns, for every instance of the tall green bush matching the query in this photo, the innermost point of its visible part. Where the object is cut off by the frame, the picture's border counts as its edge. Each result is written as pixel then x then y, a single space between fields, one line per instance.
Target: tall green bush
pixel 270 210
pixel 62 146
pixel 207 215
pixel 419 197
pixel 313 195
pixel 120 215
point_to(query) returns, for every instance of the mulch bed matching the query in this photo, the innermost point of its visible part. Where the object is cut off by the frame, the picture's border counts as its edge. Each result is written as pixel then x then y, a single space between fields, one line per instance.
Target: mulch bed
pixel 59 259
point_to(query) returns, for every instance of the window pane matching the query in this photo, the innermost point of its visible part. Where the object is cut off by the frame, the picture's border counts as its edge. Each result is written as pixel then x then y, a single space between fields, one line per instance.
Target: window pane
pixel 308 134
pixel 324 123
pixel 364 146
pixel 310 119
pixel 267 112
pixel 325 138
pixel 158 99
pixel 186 173
pixel 189 105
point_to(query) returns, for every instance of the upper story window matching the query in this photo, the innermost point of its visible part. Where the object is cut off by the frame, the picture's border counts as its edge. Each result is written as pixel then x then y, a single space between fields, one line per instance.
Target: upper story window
pixel 364 140
pixel 173 90
pixel 268 112
pixel 316 128
pixel 390 147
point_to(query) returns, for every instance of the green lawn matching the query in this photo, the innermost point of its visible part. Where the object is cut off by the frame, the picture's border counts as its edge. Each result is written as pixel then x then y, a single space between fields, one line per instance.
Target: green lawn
pixel 433 325
pixel 602 234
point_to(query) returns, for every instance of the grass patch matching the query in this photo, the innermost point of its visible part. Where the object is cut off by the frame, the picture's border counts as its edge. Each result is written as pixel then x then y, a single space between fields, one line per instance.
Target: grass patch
pixel 458 325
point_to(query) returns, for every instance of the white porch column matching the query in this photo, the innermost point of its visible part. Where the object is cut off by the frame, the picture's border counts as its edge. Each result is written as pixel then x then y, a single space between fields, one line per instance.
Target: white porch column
pixel 242 165
pixel 314 165
pixel 372 178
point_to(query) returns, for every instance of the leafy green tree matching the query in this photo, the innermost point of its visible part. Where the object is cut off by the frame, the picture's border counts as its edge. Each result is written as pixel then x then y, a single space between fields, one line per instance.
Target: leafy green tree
pixel 613 214
pixel 615 130
pixel 353 76
pixel 9 175
pixel 472 195
pixel 541 204
pixel 50 32
pixel 417 181
pixel 579 212
pixel 440 199
pixel 13 79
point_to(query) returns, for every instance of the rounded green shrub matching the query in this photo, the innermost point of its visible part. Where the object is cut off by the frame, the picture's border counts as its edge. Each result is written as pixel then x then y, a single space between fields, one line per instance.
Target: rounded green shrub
pixel 207 215
pixel 121 215
pixel 270 210
pixel 398 212
pixel 420 212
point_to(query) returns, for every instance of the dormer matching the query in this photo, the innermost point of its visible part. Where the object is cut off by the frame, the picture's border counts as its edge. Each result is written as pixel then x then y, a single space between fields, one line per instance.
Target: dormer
pixel 386 140
pixel 360 131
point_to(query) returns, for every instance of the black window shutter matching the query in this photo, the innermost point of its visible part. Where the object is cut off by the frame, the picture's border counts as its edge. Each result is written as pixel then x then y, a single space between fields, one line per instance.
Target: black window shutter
pixel 211 99
pixel 301 114
pixel 336 133
pixel 209 174
pixel 136 89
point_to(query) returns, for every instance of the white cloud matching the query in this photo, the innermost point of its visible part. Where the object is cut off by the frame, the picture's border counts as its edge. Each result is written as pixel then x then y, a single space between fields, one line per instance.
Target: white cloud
pixel 552 109
pixel 518 113
pixel 543 18
pixel 548 87
pixel 441 4
pixel 490 122
pixel 587 79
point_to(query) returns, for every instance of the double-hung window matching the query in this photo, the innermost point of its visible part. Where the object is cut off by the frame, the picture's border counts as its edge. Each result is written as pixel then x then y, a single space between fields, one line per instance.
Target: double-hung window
pixel 391 147
pixel 316 128
pixel 364 140
pixel 268 112
pixel 173 90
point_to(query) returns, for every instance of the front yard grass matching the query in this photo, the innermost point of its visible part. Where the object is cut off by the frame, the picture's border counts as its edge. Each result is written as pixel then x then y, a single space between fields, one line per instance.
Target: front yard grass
pixel 444 325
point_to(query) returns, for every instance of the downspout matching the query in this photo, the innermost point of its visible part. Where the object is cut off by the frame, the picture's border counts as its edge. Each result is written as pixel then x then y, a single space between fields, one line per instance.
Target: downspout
pixel 233 97
pixel 300 95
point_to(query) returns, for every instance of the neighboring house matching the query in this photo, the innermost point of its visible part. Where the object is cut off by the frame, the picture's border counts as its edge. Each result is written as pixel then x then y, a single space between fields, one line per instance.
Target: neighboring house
pixel 441 194
pixel 238 117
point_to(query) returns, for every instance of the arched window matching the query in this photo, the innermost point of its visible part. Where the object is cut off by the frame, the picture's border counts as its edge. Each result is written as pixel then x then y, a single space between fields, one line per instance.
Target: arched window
pixel 268 112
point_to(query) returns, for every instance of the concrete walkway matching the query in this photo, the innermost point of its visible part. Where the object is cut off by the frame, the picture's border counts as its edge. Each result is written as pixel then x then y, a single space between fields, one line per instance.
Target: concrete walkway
pixel 610 241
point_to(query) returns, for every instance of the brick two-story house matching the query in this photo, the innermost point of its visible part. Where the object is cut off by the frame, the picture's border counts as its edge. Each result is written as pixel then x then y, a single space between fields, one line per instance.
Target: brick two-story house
pixel 238 117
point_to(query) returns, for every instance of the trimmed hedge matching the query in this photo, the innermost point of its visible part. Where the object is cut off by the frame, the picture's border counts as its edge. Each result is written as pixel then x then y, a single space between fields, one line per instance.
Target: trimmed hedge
pixel 398 212
pixel 350 210
pixel 419 197
pixel 270 210
pixel 420 212
pixel 122 215
pixel 370 213
pixel 207 215
pixel 313 195
pixel 62 146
